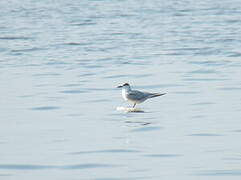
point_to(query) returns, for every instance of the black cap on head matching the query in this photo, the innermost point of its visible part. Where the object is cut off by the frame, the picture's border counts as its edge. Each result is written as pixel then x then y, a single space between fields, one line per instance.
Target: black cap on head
pixel 125 84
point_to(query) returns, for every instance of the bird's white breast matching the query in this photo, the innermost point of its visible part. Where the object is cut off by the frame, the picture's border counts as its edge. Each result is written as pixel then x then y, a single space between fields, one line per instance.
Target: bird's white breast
pixel 124 94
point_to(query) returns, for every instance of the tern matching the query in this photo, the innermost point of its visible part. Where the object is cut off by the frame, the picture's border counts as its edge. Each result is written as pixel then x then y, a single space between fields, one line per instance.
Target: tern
pixel 135 96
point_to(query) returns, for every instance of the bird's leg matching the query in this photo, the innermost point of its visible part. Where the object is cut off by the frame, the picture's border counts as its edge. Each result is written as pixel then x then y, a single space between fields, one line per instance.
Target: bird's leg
pixel 134 105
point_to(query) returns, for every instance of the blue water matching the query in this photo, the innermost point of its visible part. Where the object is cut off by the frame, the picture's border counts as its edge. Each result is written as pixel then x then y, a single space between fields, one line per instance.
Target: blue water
pixel 60 62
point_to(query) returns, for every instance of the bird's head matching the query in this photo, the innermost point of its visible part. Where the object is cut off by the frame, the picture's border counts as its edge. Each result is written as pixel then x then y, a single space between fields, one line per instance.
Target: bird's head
pixel 125 85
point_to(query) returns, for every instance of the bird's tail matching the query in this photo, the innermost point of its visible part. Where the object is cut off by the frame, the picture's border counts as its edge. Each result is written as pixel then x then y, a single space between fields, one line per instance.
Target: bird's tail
pixel 156 95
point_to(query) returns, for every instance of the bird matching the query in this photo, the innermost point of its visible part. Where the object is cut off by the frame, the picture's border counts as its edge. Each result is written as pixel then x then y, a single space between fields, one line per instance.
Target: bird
pixel 135 96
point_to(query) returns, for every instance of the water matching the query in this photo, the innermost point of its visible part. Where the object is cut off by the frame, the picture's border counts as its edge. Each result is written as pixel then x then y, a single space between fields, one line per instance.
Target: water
pixel 60 62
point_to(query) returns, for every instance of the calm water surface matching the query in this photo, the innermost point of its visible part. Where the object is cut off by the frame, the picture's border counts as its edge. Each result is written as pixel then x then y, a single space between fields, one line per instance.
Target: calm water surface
pixel 60 62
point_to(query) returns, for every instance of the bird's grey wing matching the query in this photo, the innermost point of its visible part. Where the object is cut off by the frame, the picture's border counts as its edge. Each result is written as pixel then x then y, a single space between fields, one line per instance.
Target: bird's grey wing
pixel 137 95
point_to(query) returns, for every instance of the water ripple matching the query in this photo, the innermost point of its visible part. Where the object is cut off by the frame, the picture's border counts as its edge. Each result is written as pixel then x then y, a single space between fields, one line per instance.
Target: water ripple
pixel 205 134
pixel 107 151
pixel 128 75
pixel 15 38
pixel 46 74
pixel 235 54
pixel 85 166
pixel 27 50
pixel 146 129
pixel 25 166
pixel 233 159
pixel 209 63
pixel 238 130
pixel 205 79
pixel 43 167
pixel 219 173
pixel 86 22
pixel 231 89
pixel 187 92
pixel 203 103
pixel 124 178
pixel 203 71
pixel 45 108
pixel 163 155
pixel 1 175
pixel 97 100
pixel 72 91
pixel 76 44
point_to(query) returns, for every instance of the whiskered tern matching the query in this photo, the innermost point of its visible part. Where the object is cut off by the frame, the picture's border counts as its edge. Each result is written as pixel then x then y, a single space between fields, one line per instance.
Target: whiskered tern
pixel 135 96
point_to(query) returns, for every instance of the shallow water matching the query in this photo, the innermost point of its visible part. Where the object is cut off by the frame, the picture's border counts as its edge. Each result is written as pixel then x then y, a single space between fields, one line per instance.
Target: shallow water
pixel 61 61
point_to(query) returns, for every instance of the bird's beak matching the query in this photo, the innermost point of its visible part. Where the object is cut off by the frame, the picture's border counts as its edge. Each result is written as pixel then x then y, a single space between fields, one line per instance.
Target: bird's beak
pixel 119 86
